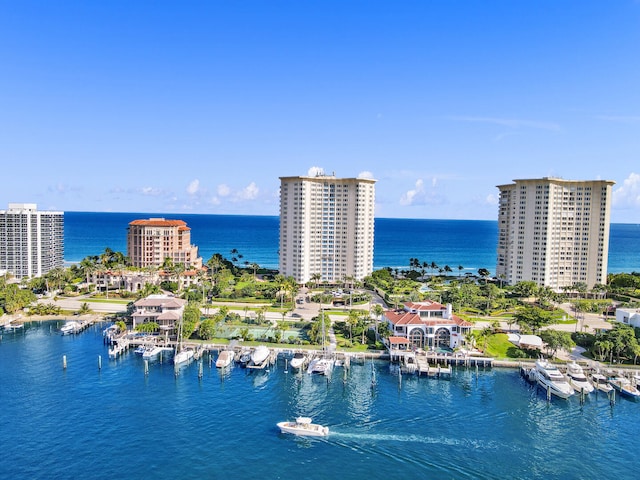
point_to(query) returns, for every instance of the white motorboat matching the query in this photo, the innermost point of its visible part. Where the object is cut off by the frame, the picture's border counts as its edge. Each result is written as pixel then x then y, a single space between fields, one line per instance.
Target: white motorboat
pixel 140 350
pixel 577 378
pixel 549 377
pixel 260 355
pixel 225 358
pixel 321 365
pixel 601 383
pixel 409 364
pixel 244 357
pixel 298 360
pixel 183 356
pixel 624 386
pixel 151 352
pixel 69 328
pixel 303 426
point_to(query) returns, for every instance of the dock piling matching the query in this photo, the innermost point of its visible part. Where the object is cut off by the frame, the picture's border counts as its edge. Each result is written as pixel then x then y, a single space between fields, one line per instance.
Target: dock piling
pixel 99 362
pixel 64 362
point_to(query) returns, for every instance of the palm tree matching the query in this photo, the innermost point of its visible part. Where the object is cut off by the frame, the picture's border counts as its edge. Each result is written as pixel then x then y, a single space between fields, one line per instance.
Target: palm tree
pixel 460 268
pixel 315 278
pixel 352 321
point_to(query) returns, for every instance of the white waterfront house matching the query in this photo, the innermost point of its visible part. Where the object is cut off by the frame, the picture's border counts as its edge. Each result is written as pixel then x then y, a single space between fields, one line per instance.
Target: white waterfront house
pixel 628 316
pixel 427 325
pixel 165 310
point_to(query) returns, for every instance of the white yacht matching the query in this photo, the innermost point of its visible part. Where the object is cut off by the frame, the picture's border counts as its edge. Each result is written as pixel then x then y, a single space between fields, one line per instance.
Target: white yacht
pixel 260 355
pixel 321 365
pixel 69 328
pixel 225 358
pixel 183 356
pixel 298 360
pixel 244 357
pixel 549 377
pixel 624 386
pixel 601 383
pixel 303 426
pixel 577 378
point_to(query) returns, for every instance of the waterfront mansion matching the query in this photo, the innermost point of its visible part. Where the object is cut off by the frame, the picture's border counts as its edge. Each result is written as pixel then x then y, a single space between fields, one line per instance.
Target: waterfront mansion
pixel 165 310
pixel 427 325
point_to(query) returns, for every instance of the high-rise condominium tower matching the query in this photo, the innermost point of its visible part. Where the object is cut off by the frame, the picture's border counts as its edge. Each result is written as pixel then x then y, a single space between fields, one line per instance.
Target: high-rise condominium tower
pixel 554 232
pixel 31 241
pixel 326 227
pixel 150 241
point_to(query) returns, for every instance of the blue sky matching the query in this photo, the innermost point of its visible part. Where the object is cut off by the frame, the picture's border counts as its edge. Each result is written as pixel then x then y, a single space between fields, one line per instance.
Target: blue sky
pixel 199 107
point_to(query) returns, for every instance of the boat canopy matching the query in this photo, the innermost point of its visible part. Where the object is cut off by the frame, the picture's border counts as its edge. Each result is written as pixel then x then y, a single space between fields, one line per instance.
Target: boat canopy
pixel 303 420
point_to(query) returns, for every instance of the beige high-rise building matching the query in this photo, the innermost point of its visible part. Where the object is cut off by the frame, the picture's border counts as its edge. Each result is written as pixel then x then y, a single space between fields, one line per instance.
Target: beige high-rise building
pixel 31 241
pixel 554 232
pixel 326 227
pixel 150 241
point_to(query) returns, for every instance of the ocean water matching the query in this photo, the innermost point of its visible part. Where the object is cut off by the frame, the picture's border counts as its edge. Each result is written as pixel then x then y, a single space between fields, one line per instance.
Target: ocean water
pixel 118 423
pixel 467 243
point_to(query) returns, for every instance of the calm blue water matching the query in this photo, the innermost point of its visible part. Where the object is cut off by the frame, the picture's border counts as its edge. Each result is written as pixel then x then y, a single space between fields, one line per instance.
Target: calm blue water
pixel 469 243
pixel 119 423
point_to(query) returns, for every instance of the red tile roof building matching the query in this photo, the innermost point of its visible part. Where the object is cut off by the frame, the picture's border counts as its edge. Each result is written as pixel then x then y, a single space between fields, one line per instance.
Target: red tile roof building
pixel 427 325
pixel 150 241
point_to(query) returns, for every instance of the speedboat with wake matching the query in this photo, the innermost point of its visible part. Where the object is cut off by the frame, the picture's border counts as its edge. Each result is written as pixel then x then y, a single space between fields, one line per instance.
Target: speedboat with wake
pixel 303 426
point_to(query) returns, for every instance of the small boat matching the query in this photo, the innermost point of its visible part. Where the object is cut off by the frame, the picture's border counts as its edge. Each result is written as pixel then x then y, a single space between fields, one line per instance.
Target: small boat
pixel 303 426
pixel 260 355
pixel 624 386
pixel 183 356
pixel 601 383
pixel 298 360
pixel 409 364
pixel 244 357
pixel 225 358
pixel 321 365
pixel 140 349
pixel 577 378
pixel 549 378
pixel 69 328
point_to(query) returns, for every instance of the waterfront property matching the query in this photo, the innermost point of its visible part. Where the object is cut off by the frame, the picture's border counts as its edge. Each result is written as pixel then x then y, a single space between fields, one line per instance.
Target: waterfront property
pixel 326 227
pixel 426 325
pixel 165 310
pixel 554 232
pixel 150 242
pixel 31 241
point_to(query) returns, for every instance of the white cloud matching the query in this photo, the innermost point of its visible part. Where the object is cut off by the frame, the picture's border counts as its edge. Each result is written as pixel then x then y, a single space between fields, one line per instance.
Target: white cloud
pixel 510 122
pixel 619 118
pixel 410 196
pixel 315 171
pixel 151 191
pixel 193 187
pixel 491 199
pixel 250 192
pixel 366 175
pixel 628 194
pixel 223 190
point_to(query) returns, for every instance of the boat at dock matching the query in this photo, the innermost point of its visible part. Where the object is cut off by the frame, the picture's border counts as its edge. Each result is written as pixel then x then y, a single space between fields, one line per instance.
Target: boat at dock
pixel 601 383
pixel 549 378
pixel 624 386
pixel 321 365
pixel 183 356
pixel 69 328
pixel 303 426
pixel 298 361
pixel 260 355
pixel 225 358
pixel 243 357
pixel 577 379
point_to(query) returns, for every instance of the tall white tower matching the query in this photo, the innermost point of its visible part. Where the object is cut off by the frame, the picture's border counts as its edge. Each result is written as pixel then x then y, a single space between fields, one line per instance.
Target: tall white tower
pixel 326 227
pixel 31 241
pixel 554 232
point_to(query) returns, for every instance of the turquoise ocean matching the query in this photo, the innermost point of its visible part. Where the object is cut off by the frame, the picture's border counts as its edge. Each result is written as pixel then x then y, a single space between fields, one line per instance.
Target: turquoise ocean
pixel 118 423
pixel 467 243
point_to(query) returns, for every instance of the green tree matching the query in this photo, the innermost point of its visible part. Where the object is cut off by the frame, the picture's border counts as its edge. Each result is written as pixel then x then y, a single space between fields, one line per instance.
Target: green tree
pixel 557 340
pixel 532 318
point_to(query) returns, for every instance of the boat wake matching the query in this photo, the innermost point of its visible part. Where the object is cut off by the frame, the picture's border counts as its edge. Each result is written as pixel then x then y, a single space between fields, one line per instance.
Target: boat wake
pixel 381 437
